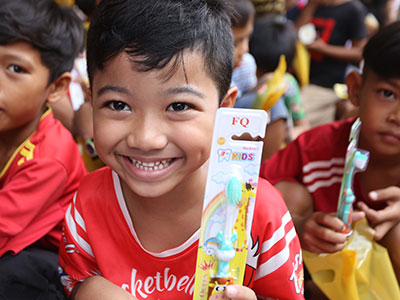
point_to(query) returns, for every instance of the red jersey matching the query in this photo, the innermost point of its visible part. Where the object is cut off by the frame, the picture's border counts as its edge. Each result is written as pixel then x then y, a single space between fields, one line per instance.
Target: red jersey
pixel 37 185
pixel 316 159
pixel 99 238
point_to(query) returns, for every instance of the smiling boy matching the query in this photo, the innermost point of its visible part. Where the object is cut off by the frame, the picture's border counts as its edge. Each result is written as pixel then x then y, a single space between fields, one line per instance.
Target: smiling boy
pixel 132 231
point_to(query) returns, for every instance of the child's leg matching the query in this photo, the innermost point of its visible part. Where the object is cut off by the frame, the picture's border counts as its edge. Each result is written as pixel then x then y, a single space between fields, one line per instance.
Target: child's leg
pixel 392 241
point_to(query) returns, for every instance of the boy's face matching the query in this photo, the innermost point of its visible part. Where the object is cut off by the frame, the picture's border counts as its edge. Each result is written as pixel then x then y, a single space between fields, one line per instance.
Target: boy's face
pixel 23 86
pixel 379 110
pixel 241 36
pixel 153 131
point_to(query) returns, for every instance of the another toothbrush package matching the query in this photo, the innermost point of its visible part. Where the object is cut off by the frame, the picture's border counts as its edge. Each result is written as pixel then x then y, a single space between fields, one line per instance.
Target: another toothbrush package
pixel 229 199
pixel 356 161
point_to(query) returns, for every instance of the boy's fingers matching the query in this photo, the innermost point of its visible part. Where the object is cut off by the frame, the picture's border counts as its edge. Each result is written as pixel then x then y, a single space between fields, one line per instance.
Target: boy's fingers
pixel 330 221
pixel 357 216
pixel 382 229
pixel 389 193
pixel 314 245
pixel 375 217
pixel 238 292
pixel 369 212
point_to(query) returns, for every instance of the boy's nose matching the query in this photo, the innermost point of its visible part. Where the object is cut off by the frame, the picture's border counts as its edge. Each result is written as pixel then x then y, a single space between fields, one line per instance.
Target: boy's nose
pixel 147 134
pixel 394 115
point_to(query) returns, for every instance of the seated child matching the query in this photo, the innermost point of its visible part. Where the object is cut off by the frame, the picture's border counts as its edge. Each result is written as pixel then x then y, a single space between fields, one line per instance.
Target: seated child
pixel 132 231
pixel 40 162
pixel 309 171
pixel 271 38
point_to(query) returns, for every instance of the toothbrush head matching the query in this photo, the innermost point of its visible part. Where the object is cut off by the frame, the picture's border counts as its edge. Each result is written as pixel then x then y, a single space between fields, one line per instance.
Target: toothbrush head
pixel 234 191
pixel 361 159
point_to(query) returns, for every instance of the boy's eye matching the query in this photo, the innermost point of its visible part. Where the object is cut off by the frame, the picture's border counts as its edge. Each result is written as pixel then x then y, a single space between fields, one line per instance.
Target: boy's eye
pixel 16 69
pixel 179 106
pixel 387 94
pixel 118 105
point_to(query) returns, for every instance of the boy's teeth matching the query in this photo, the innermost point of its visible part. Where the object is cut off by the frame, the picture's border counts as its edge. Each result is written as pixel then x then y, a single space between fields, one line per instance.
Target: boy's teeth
pixel 150 166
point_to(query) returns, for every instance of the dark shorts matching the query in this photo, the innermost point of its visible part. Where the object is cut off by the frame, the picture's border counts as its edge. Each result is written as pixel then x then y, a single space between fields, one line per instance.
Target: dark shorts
pixel 31 274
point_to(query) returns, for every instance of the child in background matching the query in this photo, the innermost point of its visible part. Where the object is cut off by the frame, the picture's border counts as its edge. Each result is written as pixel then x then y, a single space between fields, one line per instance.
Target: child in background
pixel 244 68
pixel 309 171
pixel 277 130
pixel 341 36
pixel 336 22
pixel 133 230
pixel 271 38
pixel 40 162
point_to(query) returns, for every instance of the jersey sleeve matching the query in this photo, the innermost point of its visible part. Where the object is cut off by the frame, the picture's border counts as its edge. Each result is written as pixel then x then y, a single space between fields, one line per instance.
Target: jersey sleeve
pixel 32 193
pixel 284 165
pixel 279 268
pixel 76 256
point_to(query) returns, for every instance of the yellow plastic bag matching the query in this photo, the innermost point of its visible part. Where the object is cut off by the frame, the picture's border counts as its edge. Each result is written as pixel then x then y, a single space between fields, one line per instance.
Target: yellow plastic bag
pixel 362 270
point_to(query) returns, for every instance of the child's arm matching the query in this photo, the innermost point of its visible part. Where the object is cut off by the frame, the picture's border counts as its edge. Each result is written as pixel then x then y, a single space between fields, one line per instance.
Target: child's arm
pixel 64 112
pixel 274 138
pixel 97 287
pixel 276 131
pixel 83 122
pixel 342 53
pixel 318 232
pixel 307 13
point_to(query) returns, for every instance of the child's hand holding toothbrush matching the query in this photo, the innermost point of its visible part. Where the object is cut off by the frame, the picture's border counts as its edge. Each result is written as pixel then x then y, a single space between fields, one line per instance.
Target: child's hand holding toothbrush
pixel 236 292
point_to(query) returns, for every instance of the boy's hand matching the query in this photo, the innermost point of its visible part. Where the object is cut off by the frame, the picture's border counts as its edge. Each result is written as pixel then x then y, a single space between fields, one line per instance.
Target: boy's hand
pixel 383 220
pixel 236 292
pixel 322 232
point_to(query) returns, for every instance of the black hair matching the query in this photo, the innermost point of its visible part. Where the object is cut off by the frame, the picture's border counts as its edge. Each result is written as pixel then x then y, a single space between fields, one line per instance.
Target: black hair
pixel 154 33
pixel 382 52
pixel 243 12
pixel 87 6
pixel 57 33
pixel 272 37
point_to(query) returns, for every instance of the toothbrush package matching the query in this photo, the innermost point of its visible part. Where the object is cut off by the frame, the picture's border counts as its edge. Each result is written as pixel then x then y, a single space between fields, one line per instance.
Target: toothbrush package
pixel 229 199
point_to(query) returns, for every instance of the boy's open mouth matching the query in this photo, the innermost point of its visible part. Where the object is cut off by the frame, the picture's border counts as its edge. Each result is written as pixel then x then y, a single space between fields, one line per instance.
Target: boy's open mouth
pixel 152 165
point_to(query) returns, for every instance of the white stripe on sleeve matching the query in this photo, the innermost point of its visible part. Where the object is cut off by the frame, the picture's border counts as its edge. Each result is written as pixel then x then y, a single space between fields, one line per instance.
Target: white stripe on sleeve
pixel 73 230
pixel 278 260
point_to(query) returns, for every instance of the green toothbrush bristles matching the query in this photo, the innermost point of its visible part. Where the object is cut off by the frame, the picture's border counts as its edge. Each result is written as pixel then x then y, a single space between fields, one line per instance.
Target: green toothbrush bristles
pixel 234 191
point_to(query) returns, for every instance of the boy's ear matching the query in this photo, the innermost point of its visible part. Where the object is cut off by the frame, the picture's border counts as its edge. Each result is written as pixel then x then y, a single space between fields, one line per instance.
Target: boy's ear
pixel 230 97
pixel 354 82
pixel 59 87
